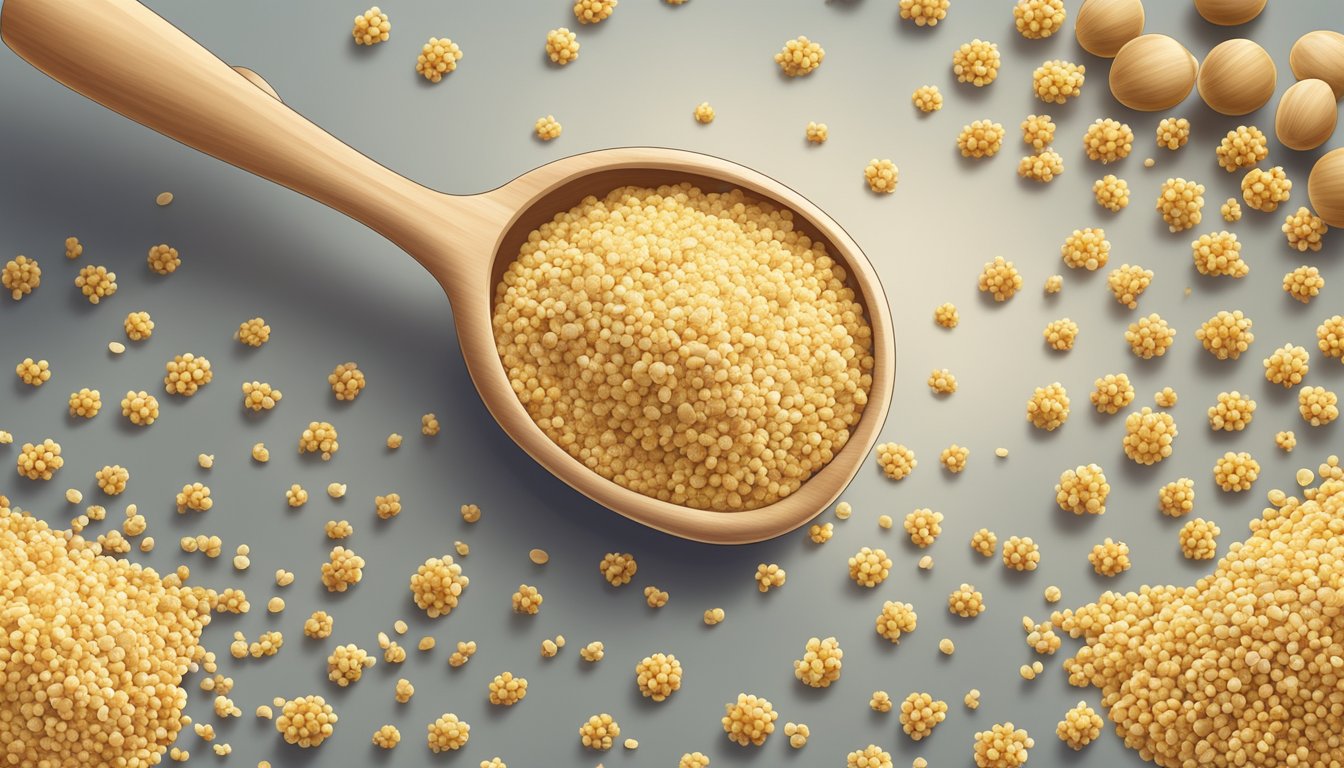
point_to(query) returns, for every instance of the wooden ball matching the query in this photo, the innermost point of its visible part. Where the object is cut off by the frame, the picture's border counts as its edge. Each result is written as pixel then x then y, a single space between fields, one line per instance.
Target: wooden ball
pixel 1237 77
pixel 1325 188
pixel 1320 55
pixel 1229 13
pixel 1104 26
pixel 1152 72
pixel 1306 115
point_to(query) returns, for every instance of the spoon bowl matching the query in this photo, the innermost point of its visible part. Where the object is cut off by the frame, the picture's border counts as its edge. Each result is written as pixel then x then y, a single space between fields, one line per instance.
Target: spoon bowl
pixel 149 71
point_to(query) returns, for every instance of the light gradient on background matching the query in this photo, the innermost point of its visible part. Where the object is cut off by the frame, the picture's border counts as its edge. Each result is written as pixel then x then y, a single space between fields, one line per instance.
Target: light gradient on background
pixel 334 292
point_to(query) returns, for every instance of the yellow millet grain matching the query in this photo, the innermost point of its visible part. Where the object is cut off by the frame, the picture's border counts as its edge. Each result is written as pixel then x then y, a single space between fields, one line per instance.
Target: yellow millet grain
pixel 344 569
pixel 920 714
pixel 562 46
pixel 138 326
pixel 547 128
pixel 895 620
pixel 463 653
pixel 1038 131
pixel 966 602
pixel 1304 230
pixel 942 381
pixel 1317 405
pixel 1264 190
pixel 85 403
pixel 448 733
pixel 658 676
pixel 34 373
pixel 21 276
pixel 798 57
pixel 1199 539
pixel 1242 147
pixel 506 690
pixel 1054 284
pixel 698 759
pixel 769 576
pixel 1081 726
pixel 403 691
pixel 1060 334
pixel 1020 553
pixel 40 461
pixel 346 381
pixel 371 27
pixel 1109 558
pixel 195 497
pixel 821 533
pixel 254 332
pixel 1219 254
pixel 953 458
pixel 1177 498
pixel 320 438
pixel 655 597
pixel 869 567
pixel 927 98
pixel 186 374
pixel 1230 210
pixel 96 283
pixel 816 133
pixel 338 529
pixel 1056 81
pixel 1286 441
pixel 1083 490
pixel 437 585
pixel 1052 594
pixel 669 443
pixel 1041 637
pixel 1038 19
pixel 429 425
pixel 821 663
pixel 714 616
pixel 73 248
pixel 268 644
pixel 1303 283
pixel 1002 746
pixel 1108 140
pixel 946 646
pixel 1226 335
pixel 882 175
pixel 749 720
pixel 1236 472
pixel 896 460
pixel 1048 407
pixel 1112 193
pixel 471 513
pixel 976 62
pixel 296 496
pixel 386 737
pixel 1000 279
pixel 599 732
pixel 1148 436
pixel 945 315
pixel 1150 336
pixel 1181 204
pixel 1232 412
pixel 1330 337
pixel 704 113
pixel 880 701
pixel 923 526
pixel 112 479
pixel 618 568
pixel 260 396
pixel 1173 132
pixel 527 600
pixel 306 722
pixel 163 259
pixel 982 138
pixel 924 12
pixel 1086 249
pixel 387 507
pixel 318 626
pixel 984 542
pixel 1043 167
pixel 1128 282
pixel 1111 393
pixel 437 58
pixel 347 663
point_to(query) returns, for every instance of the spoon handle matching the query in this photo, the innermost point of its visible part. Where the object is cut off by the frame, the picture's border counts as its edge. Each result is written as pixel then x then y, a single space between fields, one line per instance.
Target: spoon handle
pixel 125 57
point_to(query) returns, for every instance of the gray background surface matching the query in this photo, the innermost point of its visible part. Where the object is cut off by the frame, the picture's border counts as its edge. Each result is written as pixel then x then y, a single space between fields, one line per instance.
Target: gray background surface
pixel 333 292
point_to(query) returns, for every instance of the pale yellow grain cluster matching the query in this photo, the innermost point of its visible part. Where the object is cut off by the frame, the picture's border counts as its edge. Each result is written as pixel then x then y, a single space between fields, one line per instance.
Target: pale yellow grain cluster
pixel 927 98
pixel 59 595
pixel 655 597
pixel 981 138
pixel 1230 210
pixel 386 737
pixel 1041 637
pixel 1081 726
pixel 1128 282
pixel 1165 397
pixel 318 626
pixel 1150 336
pixel 1048 407
pixel 404 691
pixel 1148 436
pixel 881 175
pixel 965 601
pixel 1108 140
pixel 923 526
pixel 254 332
pixel 1111 192
pixel 186 374
pixel 260 396
pixel 704 113
pixel 1021 553
pixel 953 458
pixel 1232 412
pixel 163 259
pixel 1199 539
pixel 1000 279
pixel 924 12
pixel 869 567
pixel 658 676
pixel 896 460
pixel 562 46
pixel 1226 335
pixel 429 425
pixel 1110 557
pixel 821 662
pixel 769 576
pixel 1038 132
pixel 296 496
pixel 320 438
pixel 920 714
pixel 437 58
pixel 1330 337
pixel 1181 204
pixel 816 133
pixel 942 381
pixel 527 600
pixel 1086 249
pixel 138 326
pixel 32 372
pixel 1318 406
pixel 820 533
pixel 306 722
pixel 448 733
pixel 618 568
pixel 21 276
pixel 1177 498
pixel 505 690
pixel 1264 190
pixel 437 586
pixel 1002 746
pixel 976 62
pixel 1060 334
pixel 984 542
pixel 387 507
pixel 347 663
pixel 463 653
pixel 1043 167
pixel 371 27
pixel 85 403
pixel 599 732
pixel 798 57
pixel 1038 19
pixel 343 570
pixel 1304 230
pixel 1219 254
pixel 1173 132
pixel 1303 283
pixel 112 479
pixel 1236 472
pixel 547 128
pixel 1242 147
pixel 73 248
pixel 346 381
pixel 1056 81
pixel 96 283
pixel 1286 441
pixel 945 315
pixel 194 497
pixel 667 436
pixel 881 701
pixel 871 756
pixel 471 513
pixel 896 619
pixel 1083 490
pixel 338 529
pixel 697 759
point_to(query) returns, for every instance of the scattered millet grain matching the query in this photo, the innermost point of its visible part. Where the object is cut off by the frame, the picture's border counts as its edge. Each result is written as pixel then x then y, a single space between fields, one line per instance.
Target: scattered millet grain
pixel 749 720
pixel 946 646
pixel 816 133
pixel 966 602
pixel 1111 393
pixel 296 496
pixel 599 732
pixel 658 676
pixel 371 27
pixel 976 62
pixel 1060 334
pixel 1108 140
pixel 163 259
pixel 1150 336
pixel 1083 490
pixel 618 568
pixel 797 58
pixel 116 347
pixel 1303 283
pixel 1232 412
pixel 387 507
pixel 33 373
pixel 1056 81
pixel 306 722
pixel 1264 190
pixel 1043 167
pixel 1086 249
pixel 631 743
pixel 1002 746
pixel 1236 472
pixel 506 690
pixel 895 620
pixel 881 175
pixel 320 438
pixel 1199 539
pixel 984 542
pixel 429 425
pixel 821 663
pixel 403 691
pixel 1177 498
pixel 869 567
pixel 260 453
pixel 437 585
pixel 982 138
pixel 96 283
pixel 896 460
pixel 394 441
pixel 344 569
pixel 447 732
pixel 1052 594
pixel 1000 279
pixel 769 576
pixel 704 113
pixel 1081 726
pixel 1173 132
pixel 924 12
pixel 463 654
pixel 73 248
pixel 85 403
pixel 426 644
pixel 471 513
pixel 1242 147
pixel 1330 337
pixel 1111 193
pixel 885 522
pixel 880 701
pixel 1226 335
pixel 1020 553
pixel 1048 407
pixel 1317 405
pixel 527 600
pixel 655 597
pixel 1286 441
pixel 920 714
pixel 1219 254
pixel 21 276
pixel 843 510
pixel 821 533
pixel 387 737
pixel 953 458
pixel 437 58
pixel 927 98
pixel 562 46
pixel 1054 284
pixel 972 699
pixel 1181 204
pixel 1109 558
pixel 138 326
pixel 714 616
pixel 1038 131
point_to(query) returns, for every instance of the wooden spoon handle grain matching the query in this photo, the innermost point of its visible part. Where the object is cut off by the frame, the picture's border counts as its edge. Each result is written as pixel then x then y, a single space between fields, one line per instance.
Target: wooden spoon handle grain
pixel 125 57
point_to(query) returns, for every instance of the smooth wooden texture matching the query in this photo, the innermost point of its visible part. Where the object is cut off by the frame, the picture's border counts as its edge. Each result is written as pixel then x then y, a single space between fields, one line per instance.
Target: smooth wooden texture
pixel 1229 13
pixel 1237 77
pixel 147 70
pixel 1320 55
pixel 1325 187
pixel 1306 115
pixel 258 81
pixel 1104 26
pixel 1152 72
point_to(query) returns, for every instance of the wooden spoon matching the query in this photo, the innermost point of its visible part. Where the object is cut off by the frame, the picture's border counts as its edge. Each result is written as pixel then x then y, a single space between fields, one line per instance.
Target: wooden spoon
pixel 123 56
